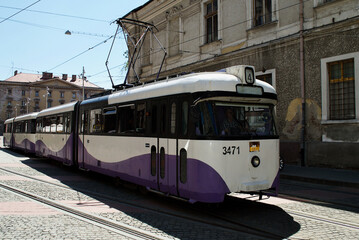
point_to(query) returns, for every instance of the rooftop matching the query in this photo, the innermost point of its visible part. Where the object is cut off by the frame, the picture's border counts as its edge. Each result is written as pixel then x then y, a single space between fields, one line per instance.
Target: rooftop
pixel 32 78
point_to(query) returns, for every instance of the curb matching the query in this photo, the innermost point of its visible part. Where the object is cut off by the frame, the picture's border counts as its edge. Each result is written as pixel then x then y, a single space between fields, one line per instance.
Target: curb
pixel 320 181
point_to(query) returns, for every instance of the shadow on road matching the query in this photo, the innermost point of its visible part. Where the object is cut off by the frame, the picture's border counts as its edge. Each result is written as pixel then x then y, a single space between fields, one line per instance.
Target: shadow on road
pixel 248 213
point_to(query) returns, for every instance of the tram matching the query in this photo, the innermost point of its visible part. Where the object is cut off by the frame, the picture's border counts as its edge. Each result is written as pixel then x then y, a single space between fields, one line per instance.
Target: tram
pixel 19 133
pixel 55 133
pixel 196 137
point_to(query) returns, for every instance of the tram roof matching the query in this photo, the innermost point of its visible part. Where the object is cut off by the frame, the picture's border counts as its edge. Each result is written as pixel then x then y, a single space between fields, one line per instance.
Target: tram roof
pixel 10 120
pixel 26 117
pixel 197 82
pixel 58 109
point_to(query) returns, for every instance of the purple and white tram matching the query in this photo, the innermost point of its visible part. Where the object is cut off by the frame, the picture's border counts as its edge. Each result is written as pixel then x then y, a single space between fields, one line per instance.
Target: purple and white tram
pixel 8 137
pixel 172 136
pixel 24 132
pixel 20 133
pixel 197 137
pixel 55 133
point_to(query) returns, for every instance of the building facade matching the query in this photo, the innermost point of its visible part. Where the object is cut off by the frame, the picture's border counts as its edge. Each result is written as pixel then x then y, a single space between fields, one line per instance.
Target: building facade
pixel 25 93
pixel 308 50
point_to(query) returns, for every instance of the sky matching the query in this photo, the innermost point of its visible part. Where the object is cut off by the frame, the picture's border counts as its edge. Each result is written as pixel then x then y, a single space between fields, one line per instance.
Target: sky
pixel 34 40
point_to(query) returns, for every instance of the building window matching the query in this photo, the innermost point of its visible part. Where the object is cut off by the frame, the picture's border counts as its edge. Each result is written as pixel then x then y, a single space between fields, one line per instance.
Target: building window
pixel 9 91
pixel 23 103
pixel 49 104
pixel 23 93
pixel 262 12
pixel 37 93
pixel 211 19
pixel 268 76
pixel 49 93
pixel 340 78
pixel 341 90
pixel 9 103
pixel 73 95
pixel 62 94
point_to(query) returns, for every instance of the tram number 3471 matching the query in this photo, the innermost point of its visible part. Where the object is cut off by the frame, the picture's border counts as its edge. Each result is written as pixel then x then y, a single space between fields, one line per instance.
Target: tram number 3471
pixel 231 150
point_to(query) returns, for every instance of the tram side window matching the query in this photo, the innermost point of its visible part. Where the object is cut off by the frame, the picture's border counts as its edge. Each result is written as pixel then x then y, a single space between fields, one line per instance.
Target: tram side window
pixel 84 122
pixel 60 123
pixel 184 118
pixel 154 119
pixel 173 118
pixel 141 118
pixel 23 127
pixel 39 125
pixel 47 125
pixel 67 122
pixel 163 119
pixel 126 117
pixel 32 126
pixel 18 127
pixel 53 124
pixel 96 124
pixel 109 120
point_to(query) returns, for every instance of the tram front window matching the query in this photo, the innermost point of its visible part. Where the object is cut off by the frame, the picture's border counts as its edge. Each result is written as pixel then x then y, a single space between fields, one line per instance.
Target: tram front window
pixel 232 119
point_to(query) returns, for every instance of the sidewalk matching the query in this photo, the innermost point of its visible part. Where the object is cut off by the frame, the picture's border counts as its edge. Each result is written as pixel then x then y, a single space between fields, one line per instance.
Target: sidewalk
pixel 327 176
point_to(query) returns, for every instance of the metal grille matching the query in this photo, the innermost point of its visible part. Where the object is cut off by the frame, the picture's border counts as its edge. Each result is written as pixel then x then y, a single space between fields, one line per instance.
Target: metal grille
pixel 341 90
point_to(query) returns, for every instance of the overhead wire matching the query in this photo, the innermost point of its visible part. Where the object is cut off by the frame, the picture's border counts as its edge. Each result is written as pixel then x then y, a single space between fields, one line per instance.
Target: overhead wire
pixel 21 10
pixel 59 14
pixel 80 53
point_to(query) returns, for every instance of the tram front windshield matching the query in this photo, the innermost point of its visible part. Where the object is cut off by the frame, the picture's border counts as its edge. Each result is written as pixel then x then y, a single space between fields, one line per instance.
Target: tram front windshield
pixel 234 120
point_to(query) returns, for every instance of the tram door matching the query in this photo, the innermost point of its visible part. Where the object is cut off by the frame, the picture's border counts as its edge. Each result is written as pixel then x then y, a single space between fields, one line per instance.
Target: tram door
pixel 82 131
pixel 165 148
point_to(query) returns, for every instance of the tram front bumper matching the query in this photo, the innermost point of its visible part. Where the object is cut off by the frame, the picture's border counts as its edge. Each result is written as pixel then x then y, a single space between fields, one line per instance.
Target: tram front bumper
pixel 254 186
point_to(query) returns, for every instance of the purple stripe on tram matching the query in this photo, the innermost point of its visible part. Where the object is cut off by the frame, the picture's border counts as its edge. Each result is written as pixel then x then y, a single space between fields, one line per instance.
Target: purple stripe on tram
pixel 203 182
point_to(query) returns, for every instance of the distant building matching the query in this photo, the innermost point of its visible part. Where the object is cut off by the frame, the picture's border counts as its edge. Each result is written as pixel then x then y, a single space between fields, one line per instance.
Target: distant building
pixel 308 50
pixel 25 92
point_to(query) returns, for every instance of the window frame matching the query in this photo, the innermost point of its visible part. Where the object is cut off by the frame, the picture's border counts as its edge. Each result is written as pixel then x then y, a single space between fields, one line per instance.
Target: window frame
pixel 203 23
pixel 214 27
pixel 325 87
pixel 263 15
pixel 271 72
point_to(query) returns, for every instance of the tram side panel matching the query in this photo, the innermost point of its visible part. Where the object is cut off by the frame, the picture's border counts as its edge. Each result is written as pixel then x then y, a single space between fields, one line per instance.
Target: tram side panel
pixel 127 158
pixel 55 138
pixel 8 134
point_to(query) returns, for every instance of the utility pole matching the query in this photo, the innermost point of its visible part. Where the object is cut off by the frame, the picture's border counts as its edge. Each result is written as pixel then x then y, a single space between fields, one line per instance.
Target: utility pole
pixel 83 83
pixel 302 83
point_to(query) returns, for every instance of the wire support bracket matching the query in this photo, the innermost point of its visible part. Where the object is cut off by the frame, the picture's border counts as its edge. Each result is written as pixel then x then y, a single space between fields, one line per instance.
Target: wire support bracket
pixel 134 46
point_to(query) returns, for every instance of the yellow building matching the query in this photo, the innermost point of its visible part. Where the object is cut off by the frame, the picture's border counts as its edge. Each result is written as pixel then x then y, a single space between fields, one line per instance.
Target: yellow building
pixel 25 92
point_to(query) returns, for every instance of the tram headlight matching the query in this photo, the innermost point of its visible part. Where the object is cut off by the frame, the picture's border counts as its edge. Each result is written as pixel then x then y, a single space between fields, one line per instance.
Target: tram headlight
pixel 255 161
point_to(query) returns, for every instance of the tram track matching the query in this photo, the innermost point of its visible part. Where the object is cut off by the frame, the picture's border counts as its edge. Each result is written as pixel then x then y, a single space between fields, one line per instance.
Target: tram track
pixel 209 219
pixel 117 227
pixel 318 218
pixel 312 199
pixel 322 219
pixel 220 220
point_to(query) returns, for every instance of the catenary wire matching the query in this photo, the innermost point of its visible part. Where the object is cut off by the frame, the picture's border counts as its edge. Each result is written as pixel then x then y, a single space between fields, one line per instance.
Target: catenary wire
pixel 59 14
pixel 23 9
pixel 80 53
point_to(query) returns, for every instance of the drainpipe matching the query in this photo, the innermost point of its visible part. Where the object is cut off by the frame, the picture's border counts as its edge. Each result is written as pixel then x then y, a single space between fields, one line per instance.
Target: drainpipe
pixel 302 83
